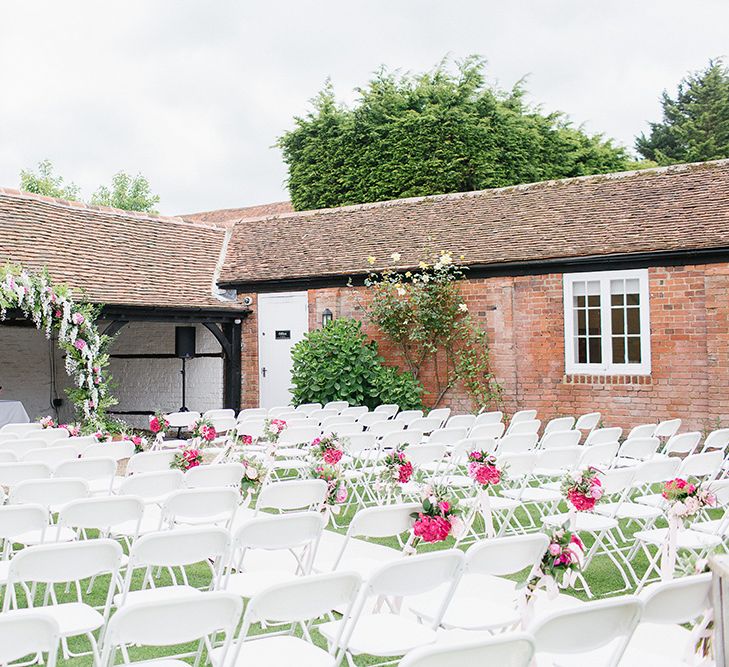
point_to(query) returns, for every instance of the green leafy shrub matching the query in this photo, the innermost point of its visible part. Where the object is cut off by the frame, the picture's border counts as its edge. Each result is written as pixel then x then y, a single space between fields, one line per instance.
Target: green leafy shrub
pixel 338 363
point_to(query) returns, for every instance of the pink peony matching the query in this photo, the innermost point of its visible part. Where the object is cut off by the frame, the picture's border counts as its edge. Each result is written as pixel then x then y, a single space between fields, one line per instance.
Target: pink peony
pixel 79 344
pixel 332 456
pixel 484 474
pixel 208 433
pixel 405 472
pixel 154 425
pixel 247 440
pixel 77 318
pixel 342 494
pixel 555 549
pixel 444 505
pixel 580 501
pixel 315 442
pixel 431 528
pixel 57 313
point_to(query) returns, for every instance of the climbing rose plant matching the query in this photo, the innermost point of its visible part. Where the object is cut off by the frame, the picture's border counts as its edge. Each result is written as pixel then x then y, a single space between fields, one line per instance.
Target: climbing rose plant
pixel 52 309
pixel 422 310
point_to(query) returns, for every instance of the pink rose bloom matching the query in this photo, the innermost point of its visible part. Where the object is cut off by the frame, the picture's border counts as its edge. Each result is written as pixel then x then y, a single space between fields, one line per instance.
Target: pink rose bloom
pixel 154 425
pixel 137 440
pixel 484 474
pixel 596 492
pixel 77 318
pixel 57 313
pixel 405 472
pixel 315 442
pixel 342 494
pixel 79 343
pixel 555 549
pixel 208 433
pixel 247 440
pixel 580 501
pixel 332 456
pixel 444 505
pixel 431 528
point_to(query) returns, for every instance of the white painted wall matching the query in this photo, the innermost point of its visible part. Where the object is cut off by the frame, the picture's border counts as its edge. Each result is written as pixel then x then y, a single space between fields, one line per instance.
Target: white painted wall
pixel 140 384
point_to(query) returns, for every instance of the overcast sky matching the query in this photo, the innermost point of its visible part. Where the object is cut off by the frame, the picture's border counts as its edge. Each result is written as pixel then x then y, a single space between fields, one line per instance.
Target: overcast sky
pixel 194 93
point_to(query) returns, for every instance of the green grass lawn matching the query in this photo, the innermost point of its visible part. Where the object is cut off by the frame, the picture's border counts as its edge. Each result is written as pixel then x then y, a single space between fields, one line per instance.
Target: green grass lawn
pixel 601 576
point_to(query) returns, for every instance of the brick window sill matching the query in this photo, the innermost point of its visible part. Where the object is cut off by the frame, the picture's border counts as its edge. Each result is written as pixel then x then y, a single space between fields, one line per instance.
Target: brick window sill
pixel 607 379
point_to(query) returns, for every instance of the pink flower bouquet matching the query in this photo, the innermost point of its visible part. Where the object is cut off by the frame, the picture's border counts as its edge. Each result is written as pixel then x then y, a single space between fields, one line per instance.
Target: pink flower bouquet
pixel 327 449
pixel 685 498
pixel 158 423
pixel 439 517
pixel 203 430
pixel 272 429
pixel 582 489
pixel 482 469
pixel 186 459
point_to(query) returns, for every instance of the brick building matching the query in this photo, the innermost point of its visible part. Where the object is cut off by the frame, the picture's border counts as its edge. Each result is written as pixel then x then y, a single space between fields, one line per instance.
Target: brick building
pixel 600 293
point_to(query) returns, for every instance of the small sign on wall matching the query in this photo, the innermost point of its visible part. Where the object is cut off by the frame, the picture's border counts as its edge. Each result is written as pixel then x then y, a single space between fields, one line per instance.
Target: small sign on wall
pixel 283 334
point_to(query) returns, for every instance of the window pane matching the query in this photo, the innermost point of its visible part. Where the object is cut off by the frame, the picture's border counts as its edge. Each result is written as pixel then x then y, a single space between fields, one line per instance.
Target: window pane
pixel 581 350
pixel 632 286
pixel 632 299
pixel 616 299
pixel 618 320
pixel 595 347
pixel 594 322
pixel 593 288
pixel 617 287
pixel 578 288
pixel 634 350
pixel 593 301
pixel 633 320
pixel 618 350
pixel 579 302
pixel 581 325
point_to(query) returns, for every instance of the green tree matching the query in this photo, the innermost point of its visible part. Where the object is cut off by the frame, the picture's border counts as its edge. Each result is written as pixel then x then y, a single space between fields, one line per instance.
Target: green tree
pixel 128 193
pixel 45 182
pixel 437 132
pixel 695 124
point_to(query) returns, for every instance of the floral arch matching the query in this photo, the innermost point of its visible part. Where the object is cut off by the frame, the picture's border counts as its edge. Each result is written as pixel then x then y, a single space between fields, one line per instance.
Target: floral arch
pixel 52 308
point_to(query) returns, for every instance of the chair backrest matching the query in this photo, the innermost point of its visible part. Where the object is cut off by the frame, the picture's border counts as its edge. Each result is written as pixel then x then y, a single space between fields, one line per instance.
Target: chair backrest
pixel 667 428
pixel 100 513
pixel 80 442
pixel 357 411
pixel 602 435
pixel 526 426
pixel 174 548
pixel 701 465
pixel 518 465
pixel 677 601
pixel 683 443
pixel 297 494
pixel 150 461
pixel 656 470
pixel 599 455
pixel 224 424
pixel 317 416
pixel 25 632
pixel 50 435
pixel 280 531
pixel 639 449
pixel 307 408
pixel 12 474
pixel 513 650
pixel 56 563
pixel 560 439
pixel 295 435
pixel 441 414
pixel 121 449
pixel 214 505
pixel 48 492
pixel 369 419
pixel 425 424
pixel 426 453
pixel 588 422
pixel 449 435
pixel 617 480
pixel 382 428
pixel 90 469
pixel 53 456
pixel 184 618
pixel 253 427
pixel 343 429
pixel 18 519
pixel 20 429
pixel 336 420
pixel 565 458
pixel 387 409
pixel 182 419
pixel 152 485
pixel 220 474
pixel 588 627
pixel 468 445
pixel 461 421
pixel 559 424
pixel 407 416
pixel 219 413
pixel 7 456
pixel 485 418
pixel 408 438
pixel 718 439
pixel 383 521
pixel 515 443
pixel 336 405
pixel 495 430
pixel 252 413
pixel 522 416
pixel 361 441
pixel 277 411
pixel 5 437
pixel 21 447
pixel 642 431
pixel 501 556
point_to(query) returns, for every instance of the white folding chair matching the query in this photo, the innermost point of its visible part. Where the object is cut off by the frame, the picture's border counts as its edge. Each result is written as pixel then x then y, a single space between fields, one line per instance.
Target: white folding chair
pixel 636 450
pixel 119 450
pixel 515 443
pixel 718 439
pixel 51 493
pixel 204 506
pixel 530 426
pixel 486 431
pixel 50 435
pixel 559 424
pixel 16 521
pixel 599 456
pixel 272 549
pixel 461 421
pixel 252 413
pixel 20 448
pixel 219 413
pixel 424 424
pixel 682 444
pixel 336 405
pixel 25 632
pixel 604 624
pixel 182 420
pixel 555 439
pixel 523 416
pixel 153 487
pixel 277 411
pixel 7 456
pixel 20 429
pixel 394 634
pixel 642 431
pixel 667 428
pixel 408 416
pixel 80 442
pixel 308 408
pixel 513 650
pixel 295 603
pixel 344 430
pixel 336 420
pixel 484 418
pixel 388 410
pixel 369 419
pixel 292 495
pixel 381 429
pixel 12 474
pixel 98 472
pixel 602 435
pixel 355 411
pixel 187 618
pixel 395 439
pixel 155 461
pixel 449 436
pixel 218 475
pixel 487 561
pixel 174 550
pixel 52 456
pixel 104 515
pixel 442 414
pixel 588 422
pixel 51 564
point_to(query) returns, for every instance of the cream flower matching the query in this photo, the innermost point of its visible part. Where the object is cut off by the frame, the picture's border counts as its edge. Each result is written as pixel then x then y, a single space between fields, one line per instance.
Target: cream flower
pixel 401 291
pixel 396 257
pixel 463 308
pixel 446 259
pixel 370 260
pixel 423 265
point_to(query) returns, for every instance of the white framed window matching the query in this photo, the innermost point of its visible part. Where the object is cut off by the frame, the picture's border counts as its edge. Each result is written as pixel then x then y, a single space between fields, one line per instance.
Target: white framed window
pixel 607 323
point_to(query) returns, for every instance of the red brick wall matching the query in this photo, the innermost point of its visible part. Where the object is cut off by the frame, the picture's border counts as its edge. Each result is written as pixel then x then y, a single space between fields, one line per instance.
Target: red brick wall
pixel 689 308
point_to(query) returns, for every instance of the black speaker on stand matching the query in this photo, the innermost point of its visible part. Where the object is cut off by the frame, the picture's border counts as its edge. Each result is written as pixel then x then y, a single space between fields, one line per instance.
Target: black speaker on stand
pixel 184 349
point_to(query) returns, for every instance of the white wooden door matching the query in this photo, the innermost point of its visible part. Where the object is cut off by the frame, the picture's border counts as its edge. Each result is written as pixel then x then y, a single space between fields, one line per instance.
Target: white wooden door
pixel 283 319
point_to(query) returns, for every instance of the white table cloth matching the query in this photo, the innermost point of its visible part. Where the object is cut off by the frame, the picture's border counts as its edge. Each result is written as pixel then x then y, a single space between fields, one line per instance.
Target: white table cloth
pixel 13 412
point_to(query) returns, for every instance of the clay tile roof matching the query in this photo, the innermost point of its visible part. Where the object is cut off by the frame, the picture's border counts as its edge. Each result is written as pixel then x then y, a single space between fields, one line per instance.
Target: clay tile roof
pixel 669 208
pixel 114 257
pixel 227 217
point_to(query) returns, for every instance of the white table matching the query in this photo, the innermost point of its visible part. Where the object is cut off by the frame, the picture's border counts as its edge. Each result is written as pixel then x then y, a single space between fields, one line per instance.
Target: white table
pixel 13 412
